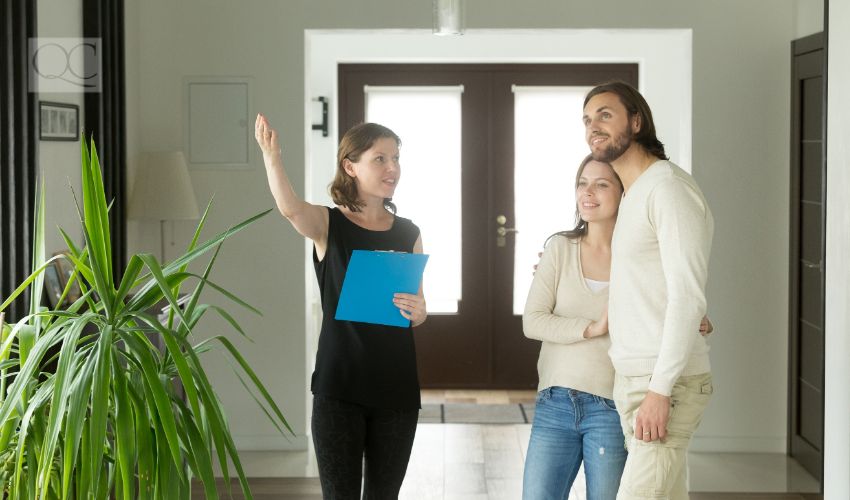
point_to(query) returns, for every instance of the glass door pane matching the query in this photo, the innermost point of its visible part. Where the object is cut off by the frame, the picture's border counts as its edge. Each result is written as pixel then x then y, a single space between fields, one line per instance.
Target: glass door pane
pixel 549 145
pixel 428 121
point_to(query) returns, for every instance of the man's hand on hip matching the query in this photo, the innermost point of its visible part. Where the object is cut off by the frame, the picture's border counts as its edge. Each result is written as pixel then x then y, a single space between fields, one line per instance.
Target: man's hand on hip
pixel 652 416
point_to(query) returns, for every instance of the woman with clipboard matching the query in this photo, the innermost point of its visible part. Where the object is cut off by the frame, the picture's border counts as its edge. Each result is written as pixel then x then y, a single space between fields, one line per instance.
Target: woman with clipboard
pixel 365 386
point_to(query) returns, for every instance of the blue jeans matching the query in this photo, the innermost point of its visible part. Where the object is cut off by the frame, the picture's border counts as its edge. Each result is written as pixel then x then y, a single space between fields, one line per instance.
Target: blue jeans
pixel 571 426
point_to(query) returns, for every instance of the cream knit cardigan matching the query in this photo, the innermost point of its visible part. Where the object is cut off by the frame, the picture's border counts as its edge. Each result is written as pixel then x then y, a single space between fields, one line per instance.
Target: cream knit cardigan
pixel 558 309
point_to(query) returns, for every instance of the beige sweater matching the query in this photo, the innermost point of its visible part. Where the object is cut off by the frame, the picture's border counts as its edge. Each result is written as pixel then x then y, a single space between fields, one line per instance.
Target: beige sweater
pixel 558 309
pixel 659 266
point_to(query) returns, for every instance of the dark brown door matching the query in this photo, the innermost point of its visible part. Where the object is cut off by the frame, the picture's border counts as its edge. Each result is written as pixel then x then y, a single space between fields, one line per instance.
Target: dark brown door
pixel 482 345
pixel 806 342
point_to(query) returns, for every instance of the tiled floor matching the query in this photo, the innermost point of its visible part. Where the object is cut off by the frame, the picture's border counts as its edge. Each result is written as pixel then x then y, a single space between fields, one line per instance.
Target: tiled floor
pixel 474 462
pixel 485 462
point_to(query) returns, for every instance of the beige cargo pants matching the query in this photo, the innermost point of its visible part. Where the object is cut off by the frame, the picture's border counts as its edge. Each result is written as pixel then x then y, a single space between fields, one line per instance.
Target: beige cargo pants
pixel 658 470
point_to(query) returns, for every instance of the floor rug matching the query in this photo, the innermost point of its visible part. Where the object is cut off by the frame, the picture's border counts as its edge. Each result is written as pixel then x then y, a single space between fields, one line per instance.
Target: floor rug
pixel 470 413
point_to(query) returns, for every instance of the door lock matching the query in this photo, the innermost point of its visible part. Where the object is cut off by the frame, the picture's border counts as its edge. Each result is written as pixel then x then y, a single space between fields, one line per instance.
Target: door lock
pixel 502 231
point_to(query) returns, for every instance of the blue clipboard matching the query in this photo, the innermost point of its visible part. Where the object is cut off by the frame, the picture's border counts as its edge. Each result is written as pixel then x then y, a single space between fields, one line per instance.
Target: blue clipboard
pixel 371 281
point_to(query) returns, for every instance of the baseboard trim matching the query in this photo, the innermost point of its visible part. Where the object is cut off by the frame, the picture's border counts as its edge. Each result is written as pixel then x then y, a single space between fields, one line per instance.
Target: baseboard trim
pixel 727 444
pixel 273 442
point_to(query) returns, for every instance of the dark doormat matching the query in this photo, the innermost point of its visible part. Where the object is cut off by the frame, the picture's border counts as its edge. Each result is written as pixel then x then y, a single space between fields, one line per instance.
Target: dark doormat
pixel 471 413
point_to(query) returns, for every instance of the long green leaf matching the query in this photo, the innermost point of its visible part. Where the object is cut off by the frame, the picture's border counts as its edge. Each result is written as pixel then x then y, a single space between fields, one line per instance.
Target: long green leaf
pixel 237 464
pixel 33 277
pixel 259 403
pixel 188 257
pixel 97 262
pixel 28 370
pixel 78 257
pixel 100 399
pixel 61 389
pixel 134 266
pixel 96 220
pixel 152 292
pixel 218 428
pixel 39 398
pixel 192 244
pixel 84 481
pixel 164 286
pixel 144 444
pixel 166 482
pixel 201 453
pixel 125 443
pixel 228 294
pixel 38 257
pixel 201 309
pixel 234 352
pixel 164 412
pixel 74 421
pixel 185 374
pixel 102 211
pixel 215 240
pixel 191 305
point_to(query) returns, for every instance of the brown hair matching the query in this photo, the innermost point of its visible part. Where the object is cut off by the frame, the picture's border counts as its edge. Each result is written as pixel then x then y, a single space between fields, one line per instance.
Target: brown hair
pixel 635 104
pixel 354 143
pixel 580 228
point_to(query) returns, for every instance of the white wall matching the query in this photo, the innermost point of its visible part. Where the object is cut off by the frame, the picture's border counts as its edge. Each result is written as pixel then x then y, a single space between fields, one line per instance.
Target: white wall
pixel 739 157
pixel 59 162
pixel 809 17
pixel 837 420
pixel 131 69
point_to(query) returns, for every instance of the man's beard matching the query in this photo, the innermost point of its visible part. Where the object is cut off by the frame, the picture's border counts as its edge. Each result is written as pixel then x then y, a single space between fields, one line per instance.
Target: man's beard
pixel 615 149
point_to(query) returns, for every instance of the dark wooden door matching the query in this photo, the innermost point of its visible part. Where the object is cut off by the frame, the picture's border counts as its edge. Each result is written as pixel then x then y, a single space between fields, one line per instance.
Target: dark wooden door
pixel 482 345
pixel 806 294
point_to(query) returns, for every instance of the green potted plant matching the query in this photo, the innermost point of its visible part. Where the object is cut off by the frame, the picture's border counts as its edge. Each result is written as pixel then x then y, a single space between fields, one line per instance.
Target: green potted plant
pixel 90 404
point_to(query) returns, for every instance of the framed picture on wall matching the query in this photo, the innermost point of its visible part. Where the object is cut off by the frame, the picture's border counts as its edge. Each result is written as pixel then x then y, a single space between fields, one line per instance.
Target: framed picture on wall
pixel 58 121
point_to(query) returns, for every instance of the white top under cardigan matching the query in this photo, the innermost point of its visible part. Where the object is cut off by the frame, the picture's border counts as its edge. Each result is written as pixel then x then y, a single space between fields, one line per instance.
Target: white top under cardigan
pixel 559 308
pixel 659 266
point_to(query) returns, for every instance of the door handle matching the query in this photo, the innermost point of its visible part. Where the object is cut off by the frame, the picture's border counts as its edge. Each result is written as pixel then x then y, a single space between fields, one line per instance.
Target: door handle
pixel 809 265
pixel 502 231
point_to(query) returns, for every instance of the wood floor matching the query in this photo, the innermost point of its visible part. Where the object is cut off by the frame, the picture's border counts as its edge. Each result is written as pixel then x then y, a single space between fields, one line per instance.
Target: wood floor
pixel 462 461
pixel 309 489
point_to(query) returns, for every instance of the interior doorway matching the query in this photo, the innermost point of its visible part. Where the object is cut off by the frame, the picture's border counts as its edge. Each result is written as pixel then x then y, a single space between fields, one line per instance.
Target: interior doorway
pixel 807 254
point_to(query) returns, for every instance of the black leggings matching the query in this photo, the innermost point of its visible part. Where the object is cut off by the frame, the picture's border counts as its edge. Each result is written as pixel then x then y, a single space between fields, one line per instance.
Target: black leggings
pixel 343 433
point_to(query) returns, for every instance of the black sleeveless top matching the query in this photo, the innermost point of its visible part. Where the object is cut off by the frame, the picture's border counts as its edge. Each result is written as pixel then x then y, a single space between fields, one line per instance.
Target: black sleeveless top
pixel 364 363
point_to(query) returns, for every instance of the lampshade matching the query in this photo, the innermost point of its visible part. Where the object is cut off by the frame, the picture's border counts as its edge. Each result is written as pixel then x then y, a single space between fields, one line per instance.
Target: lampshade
pixel 449 17
pixel 163 190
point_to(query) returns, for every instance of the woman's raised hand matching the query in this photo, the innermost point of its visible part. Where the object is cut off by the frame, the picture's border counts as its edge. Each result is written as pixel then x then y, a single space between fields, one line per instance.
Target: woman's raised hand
pixel 266 137
pixel 309 220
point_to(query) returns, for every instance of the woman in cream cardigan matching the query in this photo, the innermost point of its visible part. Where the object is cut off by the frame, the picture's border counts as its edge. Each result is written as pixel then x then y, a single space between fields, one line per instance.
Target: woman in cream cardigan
pixel 575 419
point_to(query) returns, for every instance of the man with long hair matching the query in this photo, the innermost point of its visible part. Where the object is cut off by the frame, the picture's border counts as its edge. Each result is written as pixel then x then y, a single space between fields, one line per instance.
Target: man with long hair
pixel 659 266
